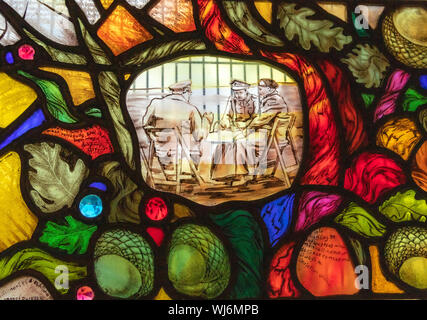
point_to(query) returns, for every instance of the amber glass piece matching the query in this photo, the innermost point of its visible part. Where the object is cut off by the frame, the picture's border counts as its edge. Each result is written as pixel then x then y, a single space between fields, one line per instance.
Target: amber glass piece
pixel 121 31
pixel 17 222
pixel 337 9
pixel 162 295
pixel 399 135
pixel 419 167
pixel 265 10
pixel 177 15
pixel 15 98
pixel 379 282
pixel 79 83
pixel 106 3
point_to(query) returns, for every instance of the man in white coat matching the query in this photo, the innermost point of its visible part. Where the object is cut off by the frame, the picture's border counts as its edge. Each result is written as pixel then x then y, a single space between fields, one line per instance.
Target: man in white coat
pixel 165 114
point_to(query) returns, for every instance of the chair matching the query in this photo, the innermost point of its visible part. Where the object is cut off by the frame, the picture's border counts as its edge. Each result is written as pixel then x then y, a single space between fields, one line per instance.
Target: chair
pixel 282 123
pixel 182 149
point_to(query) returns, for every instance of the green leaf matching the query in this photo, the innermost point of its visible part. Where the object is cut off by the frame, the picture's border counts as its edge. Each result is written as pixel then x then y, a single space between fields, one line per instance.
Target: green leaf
pixel 54 183
pixel 367 65
pixel 110 89
pixel 99 56
pixel 159 51
pixel 56 104
pixel 245 236
pixel 368 99
pixel 412 100
pixel 360 221
pixel 72 237
pixel 58 55
pixel 40 261
pixel 94 112
pixel 403 206
pixel 241 16
pixel 321 33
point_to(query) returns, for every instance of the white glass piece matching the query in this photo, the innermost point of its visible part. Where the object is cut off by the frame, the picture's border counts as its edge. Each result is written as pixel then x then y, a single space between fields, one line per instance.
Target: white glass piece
pixel 90 10
pixel 50 17
pixel 8 35
pixel 139 4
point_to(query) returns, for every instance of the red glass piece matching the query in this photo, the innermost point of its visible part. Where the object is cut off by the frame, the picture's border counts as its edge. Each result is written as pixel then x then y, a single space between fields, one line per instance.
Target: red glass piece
pixel 373 174
pixel 156 209
pixel 157 234
pixel 323 159
pixel 94 141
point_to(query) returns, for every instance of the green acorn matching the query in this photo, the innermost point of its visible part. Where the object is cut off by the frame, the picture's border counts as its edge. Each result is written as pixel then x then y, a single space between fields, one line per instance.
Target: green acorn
pixel 124 264
pixel 198 263
pixel 406 255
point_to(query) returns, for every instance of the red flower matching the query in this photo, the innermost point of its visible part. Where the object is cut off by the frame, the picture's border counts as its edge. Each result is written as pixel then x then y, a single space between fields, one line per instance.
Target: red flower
pixel 26 52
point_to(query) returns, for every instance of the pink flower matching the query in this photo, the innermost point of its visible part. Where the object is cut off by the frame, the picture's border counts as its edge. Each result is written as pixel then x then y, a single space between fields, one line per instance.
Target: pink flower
pixel 26 52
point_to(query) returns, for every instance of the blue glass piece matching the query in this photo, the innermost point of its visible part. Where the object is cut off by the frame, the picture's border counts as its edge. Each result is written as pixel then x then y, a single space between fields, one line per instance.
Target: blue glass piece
pixel 35 120
pixel 9 58
pixel 423 81
pixel 98 185
pixel 91 206
pixel 277 216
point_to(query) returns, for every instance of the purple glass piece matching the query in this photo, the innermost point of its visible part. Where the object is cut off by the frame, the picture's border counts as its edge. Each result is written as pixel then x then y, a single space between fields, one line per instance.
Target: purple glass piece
pixel 98 185
pixel 313 206
pixel 9 58
pixel 277 216
pixel 35 120
pixel 387 105
pixel 423 81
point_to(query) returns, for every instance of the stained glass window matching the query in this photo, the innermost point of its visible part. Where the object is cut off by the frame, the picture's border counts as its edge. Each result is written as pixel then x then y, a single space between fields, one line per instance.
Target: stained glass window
pixel 213 149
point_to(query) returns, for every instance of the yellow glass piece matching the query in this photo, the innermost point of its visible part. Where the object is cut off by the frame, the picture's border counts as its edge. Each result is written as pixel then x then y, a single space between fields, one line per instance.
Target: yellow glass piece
pixel 336 9
pixel 79 83
pixel 121 31
pixel 399 135
pixel 106 3
pixel 181 211
pixel 127 76
pixel 265 10
pixel 17 222
pixel 379 282
pixel 15 98
pixel 162 295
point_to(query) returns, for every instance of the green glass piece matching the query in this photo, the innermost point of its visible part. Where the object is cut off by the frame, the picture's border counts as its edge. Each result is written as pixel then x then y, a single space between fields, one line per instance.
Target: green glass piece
pixel 98 55
pixel 360 221
pixel 35 259
pixel 117 276
pixel 110 90
pixel 94 112
pixel 296 22
pixel 403 206
pixel 56 104
pixel 124 264
pixel 245 237
pixel 241 16
pixel 198 263
pixel 54 182
pixel 59 55
pixel 72 237
pixel 412 99
pixel 368 99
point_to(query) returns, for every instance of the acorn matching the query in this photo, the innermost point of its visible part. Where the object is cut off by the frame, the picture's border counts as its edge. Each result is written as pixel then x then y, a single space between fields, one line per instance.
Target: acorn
pixel 405 254
pixel 124 264
pixel 198 263
pixel 405 35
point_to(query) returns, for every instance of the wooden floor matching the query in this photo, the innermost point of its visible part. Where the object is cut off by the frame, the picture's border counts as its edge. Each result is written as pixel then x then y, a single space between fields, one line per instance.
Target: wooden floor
pixel 213 194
